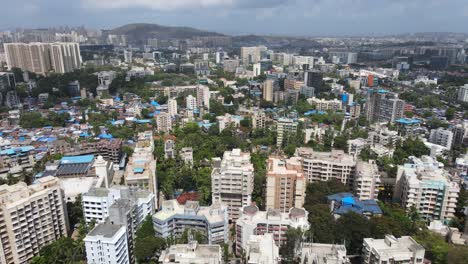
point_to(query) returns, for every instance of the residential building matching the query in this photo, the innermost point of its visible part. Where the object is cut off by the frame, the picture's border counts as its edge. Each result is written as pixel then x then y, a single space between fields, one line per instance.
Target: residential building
pixel 191 102
pixel 191 253
pixel 172 107
pixel 325 166
pixel 408 127
pixel 174 218
pixel 285 127
pixel 355 146
pixel 383 106
pixel 203 97
pixel 315 253
pixel 391 250
pixel 228 120
pixel 169 148
pixel 325 105
pixel 285 184
pixel 32 217
pixel 163 122
pixel 343 203
pixel 442 137
pixel 255 222
pixel 424 184
pixel 367 180
pixel 460 134
pixel 268 90
pixel 232 181
pixel 186 155
pixel 463 93
pixel 308 92
pixel 107 243
pixel 128 56
pixel 97 202
pixel 250 55
pixel 262 250
pixel 259 120
pixel 140 172
pixel 383 136
pixel 313 79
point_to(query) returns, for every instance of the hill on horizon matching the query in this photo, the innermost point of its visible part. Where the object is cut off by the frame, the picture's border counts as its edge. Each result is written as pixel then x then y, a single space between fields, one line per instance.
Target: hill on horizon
pixel 138 33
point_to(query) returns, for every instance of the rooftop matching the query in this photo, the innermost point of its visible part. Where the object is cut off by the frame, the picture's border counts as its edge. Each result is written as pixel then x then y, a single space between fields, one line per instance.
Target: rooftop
pixel 105 230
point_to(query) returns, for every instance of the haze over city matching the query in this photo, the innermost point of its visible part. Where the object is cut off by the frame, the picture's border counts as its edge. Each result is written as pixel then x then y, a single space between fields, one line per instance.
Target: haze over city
pixel 266 17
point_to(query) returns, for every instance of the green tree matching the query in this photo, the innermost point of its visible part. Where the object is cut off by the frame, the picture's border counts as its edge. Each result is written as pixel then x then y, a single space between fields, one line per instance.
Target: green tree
pixel 352 228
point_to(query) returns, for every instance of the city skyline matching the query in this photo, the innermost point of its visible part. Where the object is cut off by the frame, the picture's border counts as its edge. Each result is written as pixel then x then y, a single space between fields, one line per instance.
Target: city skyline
pixel 237 17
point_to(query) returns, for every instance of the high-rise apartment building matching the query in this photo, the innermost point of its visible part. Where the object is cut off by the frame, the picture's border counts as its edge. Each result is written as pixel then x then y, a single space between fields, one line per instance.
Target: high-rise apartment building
pixel 285 127
pixel 268 89
pixel 31 217
pixel 463 93
pixel 232 181
pixel 60 57
pixel 325 166
pixel 367 180
pixel 172 107
pixel 173 219
pixel 203 97
pixel 107 243
pixel 97 202
pixel 256 222
pixel 383 106
pixel 259 120
pixel 250 55
pixel 428 187
pixel 141 168
pixel 163 122
pixel 285 184
pixel 313 79
pixel 193 253
pixel 441 137
pixel 191 102
pixel 325 105
pixel 392 250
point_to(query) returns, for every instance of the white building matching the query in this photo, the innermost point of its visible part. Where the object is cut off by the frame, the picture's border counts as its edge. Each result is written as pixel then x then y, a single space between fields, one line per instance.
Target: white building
pixel 107 243
pixel 423 183
pixel 268 89
pixel 325 105
pixel 97 202
pixel 190 102
pixel 325 166
pixel 441 137
pixel 463 93
pixel 174 218
pixel 164 122
pixel 355 146
pixel 262 250
pixel 172 107
pixel 232 181
pixel 256 222
pixel 228 120
pixel 366 180
pixel 250 55
pixel 186 154
pixel 315 253
pixel 284 128
pixel 392 250
pixel 192 253
pixel 203 97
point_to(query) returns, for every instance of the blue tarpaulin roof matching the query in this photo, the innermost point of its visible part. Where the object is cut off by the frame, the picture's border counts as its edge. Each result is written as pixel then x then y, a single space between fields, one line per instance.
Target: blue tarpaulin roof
pixel 105 136
pixel 138 170
pixel 77 159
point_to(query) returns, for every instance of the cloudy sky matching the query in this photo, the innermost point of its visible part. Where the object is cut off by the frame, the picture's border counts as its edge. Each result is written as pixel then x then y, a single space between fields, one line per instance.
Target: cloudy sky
pixel 274 17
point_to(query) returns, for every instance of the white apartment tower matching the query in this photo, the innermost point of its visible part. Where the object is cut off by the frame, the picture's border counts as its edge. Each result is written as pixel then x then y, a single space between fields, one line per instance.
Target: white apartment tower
pixel 392 250
pixel 325 166
pixel 232 181
pixel 172 107
pixel 424 184
pixel 441 137
pixel 284 128
pixel 163 122
pixel 367 180
pixel 31 217
pixel 107 243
